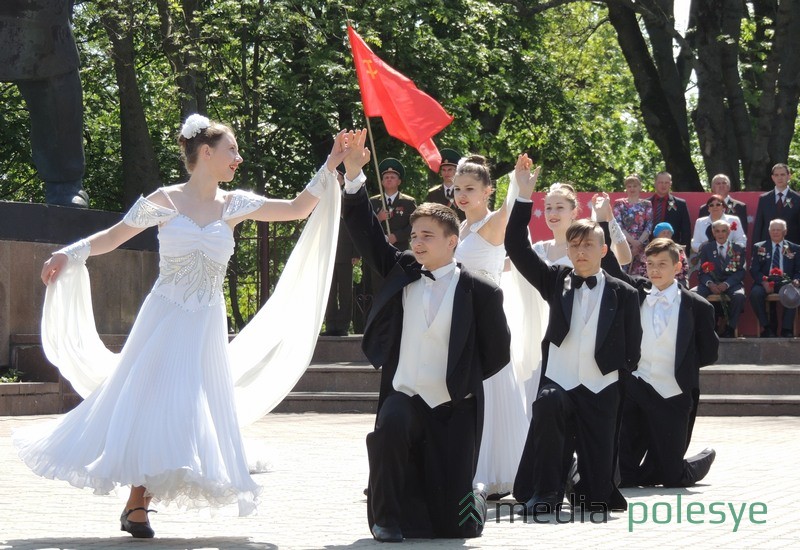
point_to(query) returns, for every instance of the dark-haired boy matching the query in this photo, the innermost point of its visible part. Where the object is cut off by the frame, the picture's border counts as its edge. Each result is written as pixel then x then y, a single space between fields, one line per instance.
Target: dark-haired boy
pixel 660 402
pixel 593 336
pixel 437 332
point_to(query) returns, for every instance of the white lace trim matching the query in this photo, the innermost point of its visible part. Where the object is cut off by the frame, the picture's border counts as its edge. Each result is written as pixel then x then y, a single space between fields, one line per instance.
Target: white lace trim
pixel 145 213
pixel 242 203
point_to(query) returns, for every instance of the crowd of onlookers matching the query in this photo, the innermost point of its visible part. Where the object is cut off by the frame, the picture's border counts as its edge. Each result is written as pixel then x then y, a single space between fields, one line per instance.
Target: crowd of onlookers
pixel 715 248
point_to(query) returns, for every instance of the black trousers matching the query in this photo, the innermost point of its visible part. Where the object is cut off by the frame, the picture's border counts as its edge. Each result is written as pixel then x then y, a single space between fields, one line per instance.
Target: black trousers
pixel 654 437
pixel 339 311
pixel 56 109
pixel 421 465
pixel 564 422
pixel 758 300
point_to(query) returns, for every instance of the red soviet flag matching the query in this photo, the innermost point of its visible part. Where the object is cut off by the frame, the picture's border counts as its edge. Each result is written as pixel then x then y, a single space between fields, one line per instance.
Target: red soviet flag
pixel 409 114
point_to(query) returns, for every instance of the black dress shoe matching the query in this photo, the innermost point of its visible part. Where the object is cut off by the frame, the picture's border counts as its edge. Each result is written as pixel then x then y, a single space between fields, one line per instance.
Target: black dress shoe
pixel 139 529
pixel 767 333
pixel 498 496
pixel 544 503
pixel 787 334
pixel 729 332
pixel 698 466
pixel 387 534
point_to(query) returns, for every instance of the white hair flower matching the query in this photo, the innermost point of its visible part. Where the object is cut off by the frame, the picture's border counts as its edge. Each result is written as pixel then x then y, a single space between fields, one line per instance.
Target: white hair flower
pixel 194 125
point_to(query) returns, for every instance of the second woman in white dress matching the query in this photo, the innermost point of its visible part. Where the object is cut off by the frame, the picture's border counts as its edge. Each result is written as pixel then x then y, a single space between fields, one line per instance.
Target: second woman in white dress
pixel 481 251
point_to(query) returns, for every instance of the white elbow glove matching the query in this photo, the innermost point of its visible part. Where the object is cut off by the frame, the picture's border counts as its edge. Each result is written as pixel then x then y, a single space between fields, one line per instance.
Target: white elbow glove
pixel 77 251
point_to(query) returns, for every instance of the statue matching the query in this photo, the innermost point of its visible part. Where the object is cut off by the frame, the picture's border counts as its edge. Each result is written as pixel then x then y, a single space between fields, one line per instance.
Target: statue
pixel 38 53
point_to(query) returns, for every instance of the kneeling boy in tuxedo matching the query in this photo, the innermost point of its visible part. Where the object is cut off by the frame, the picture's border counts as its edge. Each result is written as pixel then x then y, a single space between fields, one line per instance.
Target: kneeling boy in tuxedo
pixel 593 337
pixel 660 398
pixel 437 331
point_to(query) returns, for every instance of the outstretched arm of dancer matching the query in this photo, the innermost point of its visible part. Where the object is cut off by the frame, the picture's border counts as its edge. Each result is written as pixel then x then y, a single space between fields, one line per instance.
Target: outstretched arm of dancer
pixel 300 207
pixel 99 243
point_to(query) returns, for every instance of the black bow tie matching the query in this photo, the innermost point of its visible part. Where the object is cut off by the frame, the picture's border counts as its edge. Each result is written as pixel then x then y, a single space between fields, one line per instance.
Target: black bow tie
pixel 426 273
pixel 577 281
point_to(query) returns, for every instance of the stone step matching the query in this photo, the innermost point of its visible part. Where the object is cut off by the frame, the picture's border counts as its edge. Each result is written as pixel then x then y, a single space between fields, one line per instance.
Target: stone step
pixel 759 351
pixel 749 405
pixel 338 349
pixel 329 402
pixel 339 377
pixel 750 379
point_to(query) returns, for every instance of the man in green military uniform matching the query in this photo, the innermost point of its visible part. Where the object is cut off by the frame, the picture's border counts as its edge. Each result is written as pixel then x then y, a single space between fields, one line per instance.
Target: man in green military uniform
pixel 399 206
pixel 443 193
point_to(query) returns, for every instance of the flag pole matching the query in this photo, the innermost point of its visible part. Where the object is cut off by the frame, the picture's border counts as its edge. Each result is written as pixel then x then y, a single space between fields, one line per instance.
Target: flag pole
pixel 378 171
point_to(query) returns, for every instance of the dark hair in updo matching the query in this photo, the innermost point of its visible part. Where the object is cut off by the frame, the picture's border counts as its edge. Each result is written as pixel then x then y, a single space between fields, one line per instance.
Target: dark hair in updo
pixel 190 147
pixel 476 166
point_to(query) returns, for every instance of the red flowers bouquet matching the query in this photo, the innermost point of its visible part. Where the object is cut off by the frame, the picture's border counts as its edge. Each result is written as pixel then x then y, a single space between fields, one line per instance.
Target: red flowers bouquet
pixel 776 276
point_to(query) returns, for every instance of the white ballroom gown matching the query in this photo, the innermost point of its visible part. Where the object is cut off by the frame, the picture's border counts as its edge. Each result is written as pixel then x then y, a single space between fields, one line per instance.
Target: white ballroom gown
pixel 505 424
pixel 163 413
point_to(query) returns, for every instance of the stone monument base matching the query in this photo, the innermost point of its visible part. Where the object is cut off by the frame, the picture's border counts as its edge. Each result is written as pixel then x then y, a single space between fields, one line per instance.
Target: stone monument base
pixel 121 279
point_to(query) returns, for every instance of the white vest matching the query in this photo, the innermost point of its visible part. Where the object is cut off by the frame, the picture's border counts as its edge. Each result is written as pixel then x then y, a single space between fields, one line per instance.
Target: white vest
pixel 422 366
pixel 657 364
pixel 573 363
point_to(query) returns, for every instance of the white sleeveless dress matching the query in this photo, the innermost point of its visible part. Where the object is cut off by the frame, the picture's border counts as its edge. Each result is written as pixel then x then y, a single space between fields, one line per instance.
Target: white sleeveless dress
pixel 505 425
pixel 165 412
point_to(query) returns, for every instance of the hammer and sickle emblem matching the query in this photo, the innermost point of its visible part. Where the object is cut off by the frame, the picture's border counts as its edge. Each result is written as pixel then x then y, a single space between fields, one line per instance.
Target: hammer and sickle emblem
pixel 371 71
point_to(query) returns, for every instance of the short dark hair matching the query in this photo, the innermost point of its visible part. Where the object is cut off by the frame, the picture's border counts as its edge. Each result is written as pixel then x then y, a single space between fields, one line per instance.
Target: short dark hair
pixel 443 215
pixel 580 229
pixel 661 244
pixel 714 198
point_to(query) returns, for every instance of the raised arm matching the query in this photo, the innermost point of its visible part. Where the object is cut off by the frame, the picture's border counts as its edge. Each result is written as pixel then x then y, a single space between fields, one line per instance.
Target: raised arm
pixel 300 207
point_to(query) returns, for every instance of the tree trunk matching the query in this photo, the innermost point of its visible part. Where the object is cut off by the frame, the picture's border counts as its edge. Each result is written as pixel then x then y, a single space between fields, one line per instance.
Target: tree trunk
pixel 180 51
pixel 139 164
pixel 661 109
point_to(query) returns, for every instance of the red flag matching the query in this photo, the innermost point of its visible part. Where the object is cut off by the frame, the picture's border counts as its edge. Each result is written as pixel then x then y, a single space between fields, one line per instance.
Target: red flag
pixel 409 114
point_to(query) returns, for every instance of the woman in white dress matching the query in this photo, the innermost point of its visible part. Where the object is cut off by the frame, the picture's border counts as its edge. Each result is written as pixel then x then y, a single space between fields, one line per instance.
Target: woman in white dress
pixel 481 250
pixel 164 419
pixel 716 211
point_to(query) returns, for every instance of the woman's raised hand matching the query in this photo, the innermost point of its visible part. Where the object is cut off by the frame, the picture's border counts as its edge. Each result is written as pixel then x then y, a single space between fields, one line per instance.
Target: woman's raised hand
pixel 339 150
pixel 601 204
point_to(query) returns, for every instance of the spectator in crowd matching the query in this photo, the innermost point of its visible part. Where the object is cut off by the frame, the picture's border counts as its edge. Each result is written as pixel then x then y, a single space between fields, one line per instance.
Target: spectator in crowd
pixel 702 227
pixel 669 208
pixel 721 185
pixel 783 203
pixel 444 192
pixel 774 263
pixel 398 207
pixel 634 215
pixel 722 270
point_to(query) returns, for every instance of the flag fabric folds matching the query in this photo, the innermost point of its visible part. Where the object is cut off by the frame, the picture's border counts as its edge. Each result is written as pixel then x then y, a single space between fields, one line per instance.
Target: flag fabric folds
pixel 409 114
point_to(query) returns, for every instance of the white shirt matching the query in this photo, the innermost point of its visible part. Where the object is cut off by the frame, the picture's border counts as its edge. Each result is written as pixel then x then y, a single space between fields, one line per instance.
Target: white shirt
pixel 588 297
pixel 662 301
pixel 436 289
pixel 784 193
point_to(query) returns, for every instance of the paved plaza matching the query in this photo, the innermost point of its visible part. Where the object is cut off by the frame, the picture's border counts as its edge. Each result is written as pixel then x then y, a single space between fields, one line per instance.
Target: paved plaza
pixel 313 498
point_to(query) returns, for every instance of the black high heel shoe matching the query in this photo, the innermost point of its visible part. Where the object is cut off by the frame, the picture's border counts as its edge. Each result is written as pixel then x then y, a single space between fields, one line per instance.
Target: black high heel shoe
pixel 138 529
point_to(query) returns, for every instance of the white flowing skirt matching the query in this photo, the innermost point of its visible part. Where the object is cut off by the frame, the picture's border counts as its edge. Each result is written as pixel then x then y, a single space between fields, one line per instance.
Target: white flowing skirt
pixel 164 419
pixel 505 428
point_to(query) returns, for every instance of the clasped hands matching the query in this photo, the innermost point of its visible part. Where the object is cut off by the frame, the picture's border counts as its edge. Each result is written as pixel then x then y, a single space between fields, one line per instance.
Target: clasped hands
pixel 348 147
